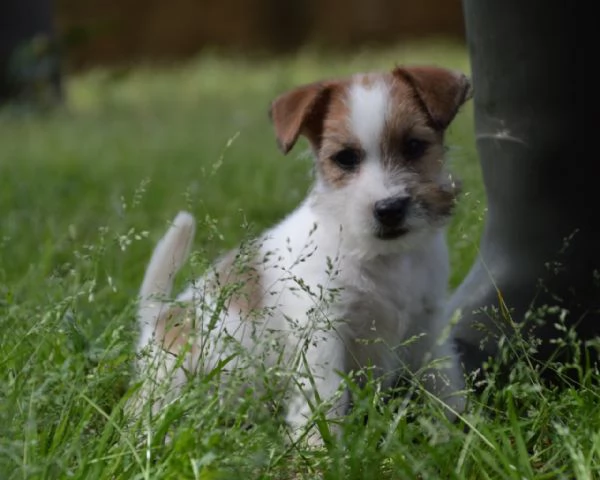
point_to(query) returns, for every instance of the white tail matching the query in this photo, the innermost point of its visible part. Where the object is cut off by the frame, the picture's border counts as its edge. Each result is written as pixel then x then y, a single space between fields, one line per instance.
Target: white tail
pixel 167 259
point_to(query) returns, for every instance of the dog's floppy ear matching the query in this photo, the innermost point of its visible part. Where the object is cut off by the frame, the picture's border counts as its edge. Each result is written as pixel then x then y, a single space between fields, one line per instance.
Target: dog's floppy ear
pixel 440 91
pixel 300 111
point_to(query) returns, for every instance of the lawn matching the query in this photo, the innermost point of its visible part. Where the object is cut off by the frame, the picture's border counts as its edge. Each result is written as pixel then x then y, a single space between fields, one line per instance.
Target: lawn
pixel 86 191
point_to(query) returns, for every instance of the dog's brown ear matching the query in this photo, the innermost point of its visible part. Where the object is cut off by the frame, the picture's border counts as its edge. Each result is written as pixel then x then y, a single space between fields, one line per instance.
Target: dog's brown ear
pixel 440 91
pixel 300 111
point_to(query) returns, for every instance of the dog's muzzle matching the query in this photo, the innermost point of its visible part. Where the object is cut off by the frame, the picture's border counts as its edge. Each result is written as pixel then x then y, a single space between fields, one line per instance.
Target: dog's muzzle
pixel 390 214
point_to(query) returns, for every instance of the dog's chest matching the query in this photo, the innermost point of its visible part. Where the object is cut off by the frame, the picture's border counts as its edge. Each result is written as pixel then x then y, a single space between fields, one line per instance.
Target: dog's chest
pixel 384 308
pixel 387 297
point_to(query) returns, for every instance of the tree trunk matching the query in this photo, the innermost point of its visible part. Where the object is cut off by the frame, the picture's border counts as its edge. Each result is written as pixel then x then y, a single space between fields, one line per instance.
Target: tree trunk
pixel 541 240
pixel 29 62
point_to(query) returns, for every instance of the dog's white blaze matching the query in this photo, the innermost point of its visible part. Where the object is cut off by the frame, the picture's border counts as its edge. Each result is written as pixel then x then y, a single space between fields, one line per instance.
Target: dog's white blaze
pixel 368 110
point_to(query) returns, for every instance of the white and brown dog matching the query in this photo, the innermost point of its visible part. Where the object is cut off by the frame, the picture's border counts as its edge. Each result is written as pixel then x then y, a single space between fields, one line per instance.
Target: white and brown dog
pixel 343 282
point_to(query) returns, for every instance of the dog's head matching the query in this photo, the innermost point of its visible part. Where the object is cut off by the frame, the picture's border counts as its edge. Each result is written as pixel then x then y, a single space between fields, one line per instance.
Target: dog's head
pixel 378 140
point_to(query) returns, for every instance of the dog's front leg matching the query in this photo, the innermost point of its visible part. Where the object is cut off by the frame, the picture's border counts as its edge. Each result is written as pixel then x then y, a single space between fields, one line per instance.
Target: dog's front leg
pixel 447 381
pixel 318 393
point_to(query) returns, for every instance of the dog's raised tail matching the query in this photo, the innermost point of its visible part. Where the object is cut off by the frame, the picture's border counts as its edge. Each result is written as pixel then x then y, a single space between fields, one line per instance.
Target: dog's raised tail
pixel 168 257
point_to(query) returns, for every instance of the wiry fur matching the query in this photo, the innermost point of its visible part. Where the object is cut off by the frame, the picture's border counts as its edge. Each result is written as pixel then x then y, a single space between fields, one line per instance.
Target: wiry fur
pixel 326 291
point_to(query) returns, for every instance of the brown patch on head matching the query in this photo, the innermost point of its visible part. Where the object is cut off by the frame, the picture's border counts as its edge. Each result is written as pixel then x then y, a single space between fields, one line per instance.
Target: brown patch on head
pixel 408 124
pixel 424 100
pixel 237 282
pixel 319 111
pixel 337 141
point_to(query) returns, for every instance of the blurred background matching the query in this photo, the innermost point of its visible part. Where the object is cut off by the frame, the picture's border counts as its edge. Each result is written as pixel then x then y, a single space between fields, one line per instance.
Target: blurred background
pixel 92 33
pixel 115 114
pixel 125 30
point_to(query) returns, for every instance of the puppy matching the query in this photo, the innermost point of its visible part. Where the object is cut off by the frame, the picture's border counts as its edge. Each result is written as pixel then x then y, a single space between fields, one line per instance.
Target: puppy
pixel 341 284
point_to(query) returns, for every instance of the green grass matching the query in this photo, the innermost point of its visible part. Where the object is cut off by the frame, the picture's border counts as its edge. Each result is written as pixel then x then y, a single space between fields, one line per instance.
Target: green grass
pixel 84 195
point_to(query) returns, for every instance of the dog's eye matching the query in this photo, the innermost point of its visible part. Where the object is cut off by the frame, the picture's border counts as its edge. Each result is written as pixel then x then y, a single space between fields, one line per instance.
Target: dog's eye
pixel 348 158
pixel 413 148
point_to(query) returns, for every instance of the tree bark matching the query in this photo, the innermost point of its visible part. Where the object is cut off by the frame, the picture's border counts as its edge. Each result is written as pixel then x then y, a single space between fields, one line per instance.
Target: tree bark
pixel 541 239
pixel 29 63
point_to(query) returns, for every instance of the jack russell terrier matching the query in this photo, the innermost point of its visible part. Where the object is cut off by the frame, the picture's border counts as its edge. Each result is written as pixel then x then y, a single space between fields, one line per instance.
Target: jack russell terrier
pixel 347 279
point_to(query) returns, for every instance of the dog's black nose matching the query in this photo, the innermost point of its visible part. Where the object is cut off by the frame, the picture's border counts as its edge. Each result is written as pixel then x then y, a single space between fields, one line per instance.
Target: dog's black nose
pixel 390 212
